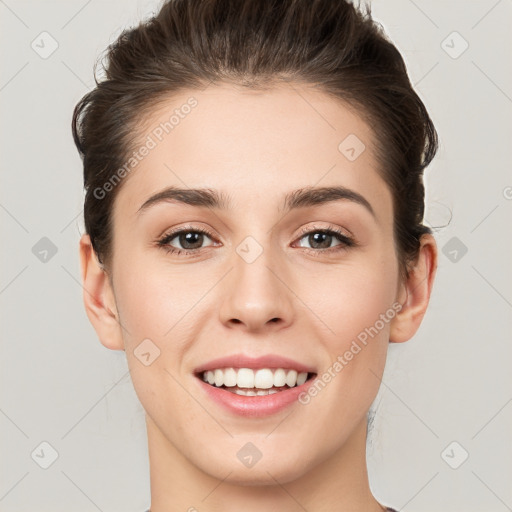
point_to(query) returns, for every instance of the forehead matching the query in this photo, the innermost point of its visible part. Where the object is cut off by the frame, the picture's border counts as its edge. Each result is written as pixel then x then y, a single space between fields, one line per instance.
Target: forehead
pixel 253 144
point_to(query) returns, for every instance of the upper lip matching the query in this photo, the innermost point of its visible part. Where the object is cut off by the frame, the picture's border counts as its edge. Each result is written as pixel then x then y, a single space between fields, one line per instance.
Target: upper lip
pixel 243 361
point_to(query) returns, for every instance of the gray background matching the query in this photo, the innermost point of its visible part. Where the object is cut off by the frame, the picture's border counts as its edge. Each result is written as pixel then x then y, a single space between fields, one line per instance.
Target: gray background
pixel 451 383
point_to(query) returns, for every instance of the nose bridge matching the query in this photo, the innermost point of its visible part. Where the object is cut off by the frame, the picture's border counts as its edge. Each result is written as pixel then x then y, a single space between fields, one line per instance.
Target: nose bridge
pixel 255 296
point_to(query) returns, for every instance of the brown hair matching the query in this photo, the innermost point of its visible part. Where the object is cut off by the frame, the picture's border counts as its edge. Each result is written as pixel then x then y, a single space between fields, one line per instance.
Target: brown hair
pixel 329 44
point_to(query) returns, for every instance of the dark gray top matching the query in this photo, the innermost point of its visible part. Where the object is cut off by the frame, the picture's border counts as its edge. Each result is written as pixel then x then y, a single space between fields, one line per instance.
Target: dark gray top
pixel 389 509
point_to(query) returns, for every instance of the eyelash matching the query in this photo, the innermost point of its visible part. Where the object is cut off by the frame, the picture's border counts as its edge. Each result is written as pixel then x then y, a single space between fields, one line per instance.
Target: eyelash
pixel 164 241
pixel 345 241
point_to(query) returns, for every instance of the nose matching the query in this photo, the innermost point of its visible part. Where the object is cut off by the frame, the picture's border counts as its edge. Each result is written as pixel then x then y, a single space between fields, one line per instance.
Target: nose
pixel 256 296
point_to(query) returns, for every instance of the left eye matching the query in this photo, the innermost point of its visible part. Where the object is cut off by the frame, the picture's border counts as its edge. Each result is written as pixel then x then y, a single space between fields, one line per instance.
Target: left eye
pixel 322 239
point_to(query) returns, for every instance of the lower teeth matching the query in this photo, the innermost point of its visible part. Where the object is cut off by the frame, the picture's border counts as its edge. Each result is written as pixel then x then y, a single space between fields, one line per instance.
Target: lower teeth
pixel 253 391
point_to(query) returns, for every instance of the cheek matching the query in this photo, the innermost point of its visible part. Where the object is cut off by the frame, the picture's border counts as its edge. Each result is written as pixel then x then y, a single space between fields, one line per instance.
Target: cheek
pixel 154 308
pixel 351 299
pixel 153 301
pixel 359 311
pixel 356 303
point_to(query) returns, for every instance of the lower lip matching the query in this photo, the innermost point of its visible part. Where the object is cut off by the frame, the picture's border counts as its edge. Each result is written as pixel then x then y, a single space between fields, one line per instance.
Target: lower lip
pixel 254 406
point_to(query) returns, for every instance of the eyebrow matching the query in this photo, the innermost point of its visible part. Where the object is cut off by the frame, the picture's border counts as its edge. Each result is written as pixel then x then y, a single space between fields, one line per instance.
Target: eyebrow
pixel 300 198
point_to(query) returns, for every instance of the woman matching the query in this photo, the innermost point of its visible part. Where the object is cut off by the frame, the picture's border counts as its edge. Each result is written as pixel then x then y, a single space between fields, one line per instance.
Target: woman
pixel 254 240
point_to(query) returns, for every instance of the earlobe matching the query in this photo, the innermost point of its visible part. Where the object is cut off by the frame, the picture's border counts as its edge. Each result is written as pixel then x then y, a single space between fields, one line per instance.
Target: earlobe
pixel 98 296
pixel 415 292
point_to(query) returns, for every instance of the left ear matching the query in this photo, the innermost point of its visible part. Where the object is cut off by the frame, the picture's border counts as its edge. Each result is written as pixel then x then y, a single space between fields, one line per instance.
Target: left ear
pixel 415 292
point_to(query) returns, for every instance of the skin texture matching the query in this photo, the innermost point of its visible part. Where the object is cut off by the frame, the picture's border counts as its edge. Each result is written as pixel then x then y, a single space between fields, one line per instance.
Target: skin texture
pixel 255 147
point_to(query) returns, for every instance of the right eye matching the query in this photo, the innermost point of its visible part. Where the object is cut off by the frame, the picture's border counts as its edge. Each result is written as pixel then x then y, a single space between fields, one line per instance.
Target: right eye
pixel 191 240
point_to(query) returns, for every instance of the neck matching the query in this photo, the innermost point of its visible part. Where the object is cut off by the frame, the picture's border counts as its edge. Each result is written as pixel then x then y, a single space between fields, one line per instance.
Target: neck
pixel 339 483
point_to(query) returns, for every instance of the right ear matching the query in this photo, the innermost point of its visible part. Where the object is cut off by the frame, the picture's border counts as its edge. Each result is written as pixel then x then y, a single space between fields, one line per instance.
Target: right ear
pixel 99 299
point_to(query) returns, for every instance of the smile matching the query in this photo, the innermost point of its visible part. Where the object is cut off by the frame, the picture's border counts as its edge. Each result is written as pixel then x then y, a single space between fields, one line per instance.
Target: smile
pixel 255 382
pixel 247 386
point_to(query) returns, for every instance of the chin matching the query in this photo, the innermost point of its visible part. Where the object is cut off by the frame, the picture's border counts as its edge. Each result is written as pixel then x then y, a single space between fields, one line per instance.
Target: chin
pixel 261 473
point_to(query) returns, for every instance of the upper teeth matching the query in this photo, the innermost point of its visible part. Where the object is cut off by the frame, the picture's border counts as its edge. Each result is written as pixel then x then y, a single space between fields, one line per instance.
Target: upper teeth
pixel 264 378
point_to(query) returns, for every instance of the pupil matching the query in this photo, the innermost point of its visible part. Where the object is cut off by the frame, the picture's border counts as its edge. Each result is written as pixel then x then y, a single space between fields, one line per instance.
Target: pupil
pixel 188 238
pixel 317 238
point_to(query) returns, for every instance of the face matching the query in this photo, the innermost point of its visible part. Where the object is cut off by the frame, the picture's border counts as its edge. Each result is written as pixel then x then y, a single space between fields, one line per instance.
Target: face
pixel 269 270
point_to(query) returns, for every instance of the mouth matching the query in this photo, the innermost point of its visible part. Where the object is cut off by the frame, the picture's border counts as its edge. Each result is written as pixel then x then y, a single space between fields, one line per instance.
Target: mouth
pixel 255 382
pixel 253 387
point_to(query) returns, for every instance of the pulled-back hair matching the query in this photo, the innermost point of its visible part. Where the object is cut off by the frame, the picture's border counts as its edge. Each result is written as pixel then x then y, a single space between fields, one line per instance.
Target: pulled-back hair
pixel 331 45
